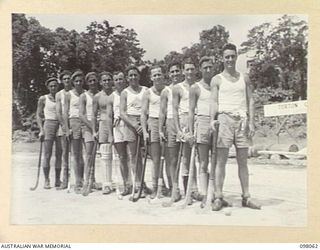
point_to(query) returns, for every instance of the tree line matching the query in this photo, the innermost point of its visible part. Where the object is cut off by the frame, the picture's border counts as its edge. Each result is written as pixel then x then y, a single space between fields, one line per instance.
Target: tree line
pixel 278 62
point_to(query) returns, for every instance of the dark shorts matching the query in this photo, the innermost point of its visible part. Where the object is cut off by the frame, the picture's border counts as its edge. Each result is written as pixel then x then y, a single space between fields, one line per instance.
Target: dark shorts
pixel 50 128
pixel 232 131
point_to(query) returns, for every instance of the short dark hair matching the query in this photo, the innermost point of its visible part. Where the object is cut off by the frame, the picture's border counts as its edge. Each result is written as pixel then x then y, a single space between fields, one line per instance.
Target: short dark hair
pixel 105 73
pixel 91 74
pixel 117 73
pixel 156 66
pixel 188 61
pixel 63 73
pixel 76 73
pixel 51 79
pixel 205 59
pixel 174 63
pixel 229 46
pixel 132 67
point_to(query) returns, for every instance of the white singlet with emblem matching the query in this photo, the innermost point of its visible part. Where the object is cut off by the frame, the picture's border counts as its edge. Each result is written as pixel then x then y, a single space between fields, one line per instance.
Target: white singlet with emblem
pixel 134 101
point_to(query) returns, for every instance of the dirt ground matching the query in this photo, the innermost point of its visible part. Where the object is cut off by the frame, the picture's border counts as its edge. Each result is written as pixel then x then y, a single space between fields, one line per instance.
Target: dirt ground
pixel 280 186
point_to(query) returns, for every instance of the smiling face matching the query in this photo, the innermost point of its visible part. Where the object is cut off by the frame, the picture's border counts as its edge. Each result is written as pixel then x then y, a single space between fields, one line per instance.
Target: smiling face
pixel 189 72
pixel 175 74
pixel 157 78
pixel 106 82
pixel 133 77
pixel 92 82
pixel 229 59
pixel 119 81
pixel 206 69
pixel 53 87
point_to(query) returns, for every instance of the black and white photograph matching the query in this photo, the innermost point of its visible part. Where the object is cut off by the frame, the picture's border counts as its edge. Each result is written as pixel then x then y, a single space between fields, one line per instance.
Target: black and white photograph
pixel 159 120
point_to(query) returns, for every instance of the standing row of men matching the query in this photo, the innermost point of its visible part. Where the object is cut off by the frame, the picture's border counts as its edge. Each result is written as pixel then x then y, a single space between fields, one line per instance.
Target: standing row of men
pixel 165 114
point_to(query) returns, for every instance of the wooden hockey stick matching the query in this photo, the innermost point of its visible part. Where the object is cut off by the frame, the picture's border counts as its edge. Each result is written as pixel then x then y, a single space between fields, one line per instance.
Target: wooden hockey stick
pixel 207 199
pixel 91 163
pixel 176 175
pixel 135 199
pixel 39 167
pixel 134 171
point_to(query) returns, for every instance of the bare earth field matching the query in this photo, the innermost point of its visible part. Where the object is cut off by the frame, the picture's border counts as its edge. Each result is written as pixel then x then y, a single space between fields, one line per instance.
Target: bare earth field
pixel 279 186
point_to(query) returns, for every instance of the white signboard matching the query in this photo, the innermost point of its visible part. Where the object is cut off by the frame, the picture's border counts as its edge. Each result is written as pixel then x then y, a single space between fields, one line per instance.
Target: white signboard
pixel 287 108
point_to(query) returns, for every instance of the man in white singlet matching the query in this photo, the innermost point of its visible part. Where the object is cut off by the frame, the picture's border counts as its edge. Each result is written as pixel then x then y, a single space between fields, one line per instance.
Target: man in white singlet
pixel 200 101
pixel 167 128
pixel 119 133
pixel 102 103
pixel 48 123
pixel 130 112
pixel 73 126
pixel 180 103
pixel 85 114
pixel 233 107
pixel 65 79
pixel 150 122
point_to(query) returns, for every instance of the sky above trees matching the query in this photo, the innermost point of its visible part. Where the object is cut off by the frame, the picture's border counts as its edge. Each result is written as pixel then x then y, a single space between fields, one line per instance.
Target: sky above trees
pixel 158 35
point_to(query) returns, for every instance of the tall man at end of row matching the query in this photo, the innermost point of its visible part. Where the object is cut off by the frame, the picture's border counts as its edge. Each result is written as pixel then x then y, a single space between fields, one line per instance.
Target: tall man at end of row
pixel 233 107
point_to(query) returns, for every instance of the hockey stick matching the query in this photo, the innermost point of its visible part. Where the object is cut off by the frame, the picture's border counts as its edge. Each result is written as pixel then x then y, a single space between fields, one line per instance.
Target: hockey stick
pixel 117 169
pixel 69 172
pixel 207 199
pixel 176 175
pixel 134 171
pixel 135 199
pixel 39 167
pixel 91 163
pixel 191 171
pixel 160 178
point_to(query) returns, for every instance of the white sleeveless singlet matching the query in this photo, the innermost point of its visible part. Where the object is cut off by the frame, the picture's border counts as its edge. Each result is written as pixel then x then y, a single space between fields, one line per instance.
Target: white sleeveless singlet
pixel 169 107
pixel 232 96
pixel 134 102
pixel 49 109
pixel 184 101
pixel 116 104
pixel 154 104
pixel 74 105
pixel 203 105
pixel 89 100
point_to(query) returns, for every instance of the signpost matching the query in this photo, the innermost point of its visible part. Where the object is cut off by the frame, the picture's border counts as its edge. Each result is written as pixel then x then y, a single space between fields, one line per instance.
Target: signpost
pixel 285 109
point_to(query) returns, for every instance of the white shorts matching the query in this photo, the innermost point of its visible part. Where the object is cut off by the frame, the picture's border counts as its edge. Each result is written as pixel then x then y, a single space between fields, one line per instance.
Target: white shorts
pixel 119 132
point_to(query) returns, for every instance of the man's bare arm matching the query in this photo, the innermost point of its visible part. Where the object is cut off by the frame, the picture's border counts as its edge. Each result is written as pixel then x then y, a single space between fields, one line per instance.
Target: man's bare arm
pixel 175 107
pixel 193 100
pixel 94 120
pixel 66 113
pixel 144 112
pixel 123 110
pixel 83 110
pixel 214 108
pixel 40 115
pixel 163 112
